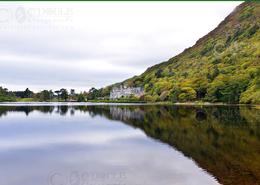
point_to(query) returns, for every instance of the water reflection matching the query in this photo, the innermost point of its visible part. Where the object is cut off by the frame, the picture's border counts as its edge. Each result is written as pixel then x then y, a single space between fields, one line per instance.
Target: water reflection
pixel 223 140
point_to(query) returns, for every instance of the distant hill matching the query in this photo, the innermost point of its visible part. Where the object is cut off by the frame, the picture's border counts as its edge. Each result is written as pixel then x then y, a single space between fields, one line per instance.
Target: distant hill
pixel 223 66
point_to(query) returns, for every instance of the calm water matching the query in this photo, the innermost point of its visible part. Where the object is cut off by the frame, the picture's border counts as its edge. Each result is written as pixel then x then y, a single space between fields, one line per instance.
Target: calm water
pixel 46 144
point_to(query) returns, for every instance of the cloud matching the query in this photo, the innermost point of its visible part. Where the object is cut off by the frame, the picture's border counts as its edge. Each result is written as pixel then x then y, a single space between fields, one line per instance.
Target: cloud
pixel 84 44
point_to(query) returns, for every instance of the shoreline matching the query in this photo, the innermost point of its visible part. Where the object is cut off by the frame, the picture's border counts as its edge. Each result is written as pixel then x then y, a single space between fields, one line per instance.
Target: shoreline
pixel 128 103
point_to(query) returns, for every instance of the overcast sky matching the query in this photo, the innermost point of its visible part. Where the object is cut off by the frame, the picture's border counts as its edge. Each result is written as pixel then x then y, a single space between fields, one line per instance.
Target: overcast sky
pixel 50 45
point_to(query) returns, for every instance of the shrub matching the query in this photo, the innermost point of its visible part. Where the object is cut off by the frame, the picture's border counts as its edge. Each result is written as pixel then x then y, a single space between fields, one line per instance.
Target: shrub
pixel 81 98
pixel 187 94
pixel 164 96
pixel 252 30
pixel 149 98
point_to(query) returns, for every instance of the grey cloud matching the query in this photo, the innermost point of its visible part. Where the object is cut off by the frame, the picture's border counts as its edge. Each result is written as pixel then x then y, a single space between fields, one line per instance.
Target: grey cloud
pixel 132 43
pixel 43 75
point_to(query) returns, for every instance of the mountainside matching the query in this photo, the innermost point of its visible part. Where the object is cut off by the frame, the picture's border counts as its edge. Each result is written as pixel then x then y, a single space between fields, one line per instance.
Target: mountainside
pixel 223 66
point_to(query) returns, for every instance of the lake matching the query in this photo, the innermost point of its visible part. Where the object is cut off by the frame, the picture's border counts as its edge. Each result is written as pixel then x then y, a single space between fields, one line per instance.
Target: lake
pixel 128 144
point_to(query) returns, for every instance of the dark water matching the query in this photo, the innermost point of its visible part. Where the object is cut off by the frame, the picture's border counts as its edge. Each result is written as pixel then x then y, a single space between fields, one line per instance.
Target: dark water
pixel 129 145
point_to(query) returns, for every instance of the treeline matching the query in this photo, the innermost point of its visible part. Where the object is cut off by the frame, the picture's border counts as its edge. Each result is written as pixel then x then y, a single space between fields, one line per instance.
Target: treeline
pixel 45 95
pixel 6 96
pixel 98 94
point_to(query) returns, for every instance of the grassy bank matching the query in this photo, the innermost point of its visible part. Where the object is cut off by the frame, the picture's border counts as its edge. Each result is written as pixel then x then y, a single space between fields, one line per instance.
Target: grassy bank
pixel 116 101
pixel 196 103
pixel 37 100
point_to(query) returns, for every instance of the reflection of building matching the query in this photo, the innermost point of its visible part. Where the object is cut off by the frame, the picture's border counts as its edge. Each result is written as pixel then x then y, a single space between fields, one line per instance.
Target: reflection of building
pixel 118 92
pixel 125 113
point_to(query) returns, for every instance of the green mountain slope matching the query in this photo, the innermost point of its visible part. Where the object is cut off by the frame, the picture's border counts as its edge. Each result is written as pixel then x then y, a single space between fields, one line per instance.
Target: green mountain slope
pixel 223 66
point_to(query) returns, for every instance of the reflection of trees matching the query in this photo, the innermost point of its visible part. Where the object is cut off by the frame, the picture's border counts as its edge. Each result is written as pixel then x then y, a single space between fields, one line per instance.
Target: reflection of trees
pixel 26 109
pixel 201 115
pixel 223 140
pixel 63 110
pixel 72 112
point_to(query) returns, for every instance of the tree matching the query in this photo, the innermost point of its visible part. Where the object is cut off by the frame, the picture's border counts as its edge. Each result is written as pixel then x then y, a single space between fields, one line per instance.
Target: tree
pixel 27 93
pixel 6 95
pixel 213 73
pixel 46 95
pixel 149 98
pixel 93 93
pixel 200 85
pixel 174 94
pixel 51 94
pixel 252 94
pixel 164 96
pixel 227 89
pixel 57 92
pixel 81 98
pixel 64 94
pixel 187 94
pixel 158 73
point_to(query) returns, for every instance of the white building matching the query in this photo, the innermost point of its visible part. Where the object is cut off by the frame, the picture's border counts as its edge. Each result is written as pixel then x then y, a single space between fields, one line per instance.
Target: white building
pixel 118 92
